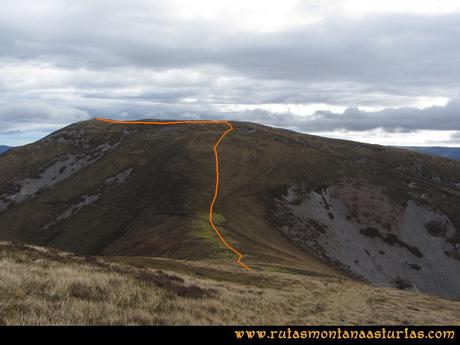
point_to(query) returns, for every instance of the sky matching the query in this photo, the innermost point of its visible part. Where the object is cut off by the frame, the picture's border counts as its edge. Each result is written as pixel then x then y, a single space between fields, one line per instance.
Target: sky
pixel 384 72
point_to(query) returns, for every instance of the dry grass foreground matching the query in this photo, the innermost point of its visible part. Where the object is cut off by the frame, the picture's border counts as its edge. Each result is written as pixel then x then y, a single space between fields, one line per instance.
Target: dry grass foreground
pixel 41 287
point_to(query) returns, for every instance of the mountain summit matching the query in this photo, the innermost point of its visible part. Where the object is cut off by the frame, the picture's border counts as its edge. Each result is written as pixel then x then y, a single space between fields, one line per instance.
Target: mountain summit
pixel 287 201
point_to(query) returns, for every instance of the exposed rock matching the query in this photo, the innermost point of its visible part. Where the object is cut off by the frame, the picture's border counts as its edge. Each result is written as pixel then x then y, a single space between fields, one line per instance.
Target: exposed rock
pixel 400 246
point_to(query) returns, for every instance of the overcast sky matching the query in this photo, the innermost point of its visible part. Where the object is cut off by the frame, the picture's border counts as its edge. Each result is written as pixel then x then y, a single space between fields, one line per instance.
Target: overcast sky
pixel 384 72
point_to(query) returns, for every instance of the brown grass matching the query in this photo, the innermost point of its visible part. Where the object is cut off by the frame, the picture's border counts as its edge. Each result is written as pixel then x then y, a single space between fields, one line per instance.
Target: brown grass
pixel 42 287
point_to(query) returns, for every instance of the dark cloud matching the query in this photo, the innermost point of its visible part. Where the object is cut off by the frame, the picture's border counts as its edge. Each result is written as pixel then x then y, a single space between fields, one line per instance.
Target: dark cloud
pixel 352 119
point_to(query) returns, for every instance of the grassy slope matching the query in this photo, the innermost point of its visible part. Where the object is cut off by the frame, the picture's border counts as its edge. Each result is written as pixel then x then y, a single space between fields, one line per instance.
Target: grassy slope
pixel 43 286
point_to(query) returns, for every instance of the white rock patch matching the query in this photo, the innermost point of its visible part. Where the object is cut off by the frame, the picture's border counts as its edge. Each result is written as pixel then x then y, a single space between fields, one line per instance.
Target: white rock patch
pixel 59 170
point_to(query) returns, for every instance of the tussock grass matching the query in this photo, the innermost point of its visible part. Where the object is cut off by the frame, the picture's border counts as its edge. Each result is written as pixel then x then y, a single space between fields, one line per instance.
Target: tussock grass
pixel 41 287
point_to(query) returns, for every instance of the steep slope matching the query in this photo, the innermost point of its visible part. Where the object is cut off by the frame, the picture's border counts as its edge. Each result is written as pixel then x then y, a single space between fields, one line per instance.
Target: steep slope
pixel 287 200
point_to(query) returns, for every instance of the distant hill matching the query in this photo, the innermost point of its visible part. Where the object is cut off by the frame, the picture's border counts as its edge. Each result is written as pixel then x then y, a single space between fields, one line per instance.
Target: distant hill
pixel 446 152
pixel 4 148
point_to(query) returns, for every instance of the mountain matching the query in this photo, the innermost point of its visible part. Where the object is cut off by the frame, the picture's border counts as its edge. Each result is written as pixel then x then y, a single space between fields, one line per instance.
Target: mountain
pixel 446 152
pixel 289 202
pixel 4 148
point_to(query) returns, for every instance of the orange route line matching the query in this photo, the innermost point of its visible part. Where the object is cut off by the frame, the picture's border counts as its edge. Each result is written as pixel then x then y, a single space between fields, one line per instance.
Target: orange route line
pixel 216 156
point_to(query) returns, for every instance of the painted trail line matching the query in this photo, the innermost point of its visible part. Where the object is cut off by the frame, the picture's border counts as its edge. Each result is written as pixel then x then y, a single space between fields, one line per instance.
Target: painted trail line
pixel 216 156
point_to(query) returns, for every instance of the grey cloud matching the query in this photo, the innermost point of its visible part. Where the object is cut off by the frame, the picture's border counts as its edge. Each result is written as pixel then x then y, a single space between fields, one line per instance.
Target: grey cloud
pixel 10 132
pixel 353 119
pixel 104 52
pixel 455 136
pixel 391 119
pixel 387 52
pixel 371 61
pixel 37 115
